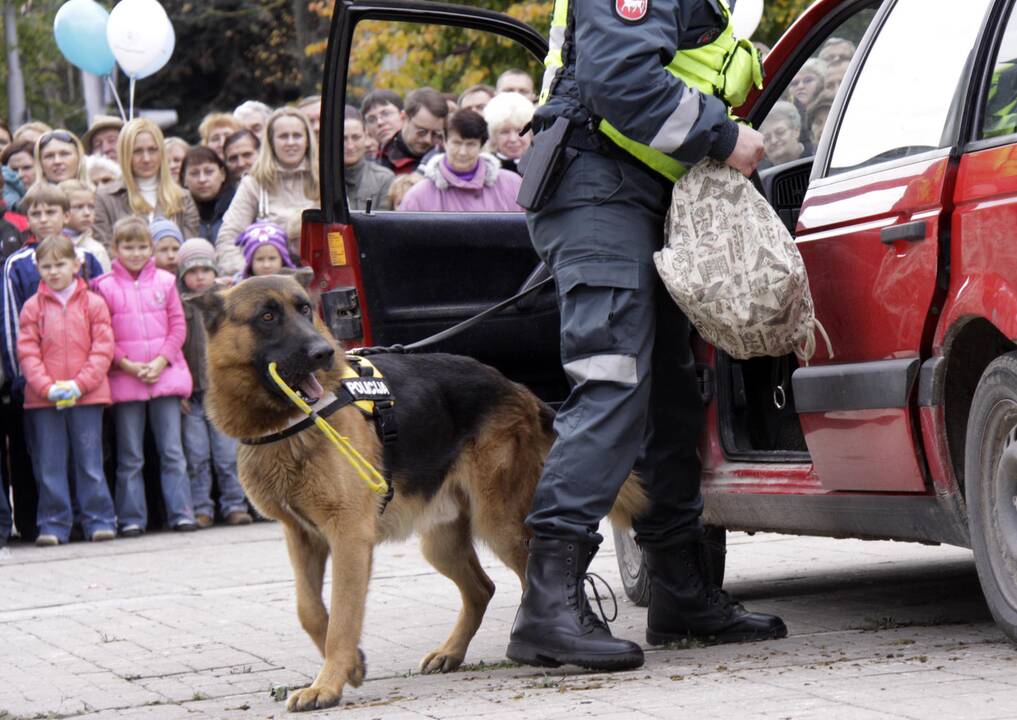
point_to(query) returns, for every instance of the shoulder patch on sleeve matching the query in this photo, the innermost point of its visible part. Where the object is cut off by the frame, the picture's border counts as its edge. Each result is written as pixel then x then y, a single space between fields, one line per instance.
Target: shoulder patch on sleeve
pixel 631 11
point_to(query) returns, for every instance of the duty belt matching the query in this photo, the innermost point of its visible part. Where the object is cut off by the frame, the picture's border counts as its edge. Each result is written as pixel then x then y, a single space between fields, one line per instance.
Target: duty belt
pixel 583 138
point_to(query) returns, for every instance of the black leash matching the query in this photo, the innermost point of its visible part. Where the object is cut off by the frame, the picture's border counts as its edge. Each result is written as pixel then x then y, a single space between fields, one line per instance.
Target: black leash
pixel 455 329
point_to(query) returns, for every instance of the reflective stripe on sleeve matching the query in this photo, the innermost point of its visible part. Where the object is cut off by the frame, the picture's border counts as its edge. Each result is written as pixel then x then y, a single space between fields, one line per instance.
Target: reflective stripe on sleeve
pixel 603 368
pixel 676 128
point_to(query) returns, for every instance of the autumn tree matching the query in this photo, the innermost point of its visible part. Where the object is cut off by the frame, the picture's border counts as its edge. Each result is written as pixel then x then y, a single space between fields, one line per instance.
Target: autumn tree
pixel 404 56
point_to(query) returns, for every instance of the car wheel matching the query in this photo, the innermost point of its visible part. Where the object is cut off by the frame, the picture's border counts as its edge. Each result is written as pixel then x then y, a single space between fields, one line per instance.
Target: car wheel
pixel 990 474
pixel 632 565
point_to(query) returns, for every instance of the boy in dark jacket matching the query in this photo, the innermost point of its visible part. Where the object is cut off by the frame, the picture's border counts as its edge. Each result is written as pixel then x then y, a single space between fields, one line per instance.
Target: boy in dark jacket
pixel 204 445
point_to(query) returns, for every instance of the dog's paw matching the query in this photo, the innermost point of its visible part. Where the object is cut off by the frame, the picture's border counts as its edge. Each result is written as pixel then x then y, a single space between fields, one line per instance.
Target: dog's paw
pixel 440 661
pixel 313 698
pixel 359 671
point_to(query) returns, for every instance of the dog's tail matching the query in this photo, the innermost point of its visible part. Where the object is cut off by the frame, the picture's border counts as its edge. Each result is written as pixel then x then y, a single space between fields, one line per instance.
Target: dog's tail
pixel 632 501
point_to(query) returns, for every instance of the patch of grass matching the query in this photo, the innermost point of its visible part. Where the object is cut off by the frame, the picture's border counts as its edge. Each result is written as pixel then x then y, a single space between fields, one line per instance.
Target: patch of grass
pixel 198 695
pixel 687 644
pixel 483 666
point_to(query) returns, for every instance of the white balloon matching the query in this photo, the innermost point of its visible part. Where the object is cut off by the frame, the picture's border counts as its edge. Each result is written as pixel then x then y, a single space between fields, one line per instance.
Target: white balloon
pixel 745 18
pixel 137 32
pixel 165 53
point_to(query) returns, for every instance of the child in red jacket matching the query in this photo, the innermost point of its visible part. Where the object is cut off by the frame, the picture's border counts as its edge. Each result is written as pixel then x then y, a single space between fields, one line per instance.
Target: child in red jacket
pixel 65 347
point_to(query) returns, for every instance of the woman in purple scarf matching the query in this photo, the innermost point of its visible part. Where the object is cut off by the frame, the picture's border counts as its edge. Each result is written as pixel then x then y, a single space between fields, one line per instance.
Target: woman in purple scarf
pixel 463 179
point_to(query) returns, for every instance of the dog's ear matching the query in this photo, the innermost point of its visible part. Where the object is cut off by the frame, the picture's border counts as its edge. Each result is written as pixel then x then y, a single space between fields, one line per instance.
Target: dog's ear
pixel 303 275
pixel 213 307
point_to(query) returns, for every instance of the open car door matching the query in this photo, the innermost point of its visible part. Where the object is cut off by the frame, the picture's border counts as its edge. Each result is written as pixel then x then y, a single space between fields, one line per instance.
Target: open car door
pixel 395 277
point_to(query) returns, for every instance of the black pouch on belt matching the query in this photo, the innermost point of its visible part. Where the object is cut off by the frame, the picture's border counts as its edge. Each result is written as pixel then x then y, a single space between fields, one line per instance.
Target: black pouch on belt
pixel 543 164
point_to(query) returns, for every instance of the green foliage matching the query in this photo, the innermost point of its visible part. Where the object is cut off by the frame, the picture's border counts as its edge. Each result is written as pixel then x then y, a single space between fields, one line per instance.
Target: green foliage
pixel 52 89
pixel 777 17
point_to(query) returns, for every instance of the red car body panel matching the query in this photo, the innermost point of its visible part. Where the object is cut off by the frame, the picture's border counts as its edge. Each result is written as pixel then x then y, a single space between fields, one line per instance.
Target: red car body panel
pixel 983 269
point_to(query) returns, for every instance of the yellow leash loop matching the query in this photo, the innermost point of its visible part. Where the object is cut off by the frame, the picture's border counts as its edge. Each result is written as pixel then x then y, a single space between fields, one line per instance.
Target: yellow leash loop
pixel 367 472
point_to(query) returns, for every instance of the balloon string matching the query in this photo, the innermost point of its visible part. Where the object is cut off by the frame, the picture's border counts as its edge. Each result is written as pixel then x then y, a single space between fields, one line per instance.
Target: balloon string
pixel 132 97
pixel 116 96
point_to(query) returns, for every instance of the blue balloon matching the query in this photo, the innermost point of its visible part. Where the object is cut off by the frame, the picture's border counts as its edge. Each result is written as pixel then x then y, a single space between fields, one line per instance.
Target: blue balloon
pixel 80 31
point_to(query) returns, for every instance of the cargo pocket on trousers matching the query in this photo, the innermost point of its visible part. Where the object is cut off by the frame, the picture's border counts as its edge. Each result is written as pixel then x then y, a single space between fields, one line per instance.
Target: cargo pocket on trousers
pixel 597 305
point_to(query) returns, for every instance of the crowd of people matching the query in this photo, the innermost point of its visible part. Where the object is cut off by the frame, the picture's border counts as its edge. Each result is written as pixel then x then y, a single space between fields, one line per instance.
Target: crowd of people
pixel 107 241
pixel 795 123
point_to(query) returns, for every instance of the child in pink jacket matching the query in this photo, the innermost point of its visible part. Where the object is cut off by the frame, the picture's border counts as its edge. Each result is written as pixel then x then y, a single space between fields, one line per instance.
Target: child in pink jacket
pixel 149 376
pixel 65 345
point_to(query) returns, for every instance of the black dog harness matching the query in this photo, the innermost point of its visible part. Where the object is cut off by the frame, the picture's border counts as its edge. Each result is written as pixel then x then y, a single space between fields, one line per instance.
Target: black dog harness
pixel 363 385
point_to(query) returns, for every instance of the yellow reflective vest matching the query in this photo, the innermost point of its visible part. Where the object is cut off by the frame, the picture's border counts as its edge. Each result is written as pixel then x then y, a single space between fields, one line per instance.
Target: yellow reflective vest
pixel 727 68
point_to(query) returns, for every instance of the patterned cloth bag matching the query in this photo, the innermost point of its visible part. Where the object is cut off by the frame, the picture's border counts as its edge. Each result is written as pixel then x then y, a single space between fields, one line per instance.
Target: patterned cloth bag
pixel 734 269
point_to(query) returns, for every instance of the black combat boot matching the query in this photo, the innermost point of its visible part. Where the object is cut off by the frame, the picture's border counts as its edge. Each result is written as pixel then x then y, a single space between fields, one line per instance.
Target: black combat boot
pixel 555 624
pixel 684 604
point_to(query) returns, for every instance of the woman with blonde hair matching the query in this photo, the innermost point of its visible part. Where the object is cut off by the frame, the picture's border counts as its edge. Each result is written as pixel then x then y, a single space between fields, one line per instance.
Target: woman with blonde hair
pixel 215 128
pixel 506 115
pixel 59 156
pixel 30 131
pixel 284 180
pixel 147 188
pixel 176 151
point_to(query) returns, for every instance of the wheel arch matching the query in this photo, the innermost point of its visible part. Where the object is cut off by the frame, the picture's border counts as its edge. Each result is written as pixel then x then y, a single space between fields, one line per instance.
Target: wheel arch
pixel 970 345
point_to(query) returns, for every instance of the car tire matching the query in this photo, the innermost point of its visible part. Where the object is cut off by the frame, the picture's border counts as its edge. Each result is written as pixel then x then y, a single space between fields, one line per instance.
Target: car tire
pixel 632 564
pixel 990 473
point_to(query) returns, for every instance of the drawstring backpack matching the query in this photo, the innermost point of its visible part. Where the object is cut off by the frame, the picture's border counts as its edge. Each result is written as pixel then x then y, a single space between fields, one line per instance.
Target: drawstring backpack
pixel 734 269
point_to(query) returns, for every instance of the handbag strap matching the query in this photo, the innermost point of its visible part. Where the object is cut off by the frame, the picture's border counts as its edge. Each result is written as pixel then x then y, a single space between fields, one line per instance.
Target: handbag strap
pixel 262 203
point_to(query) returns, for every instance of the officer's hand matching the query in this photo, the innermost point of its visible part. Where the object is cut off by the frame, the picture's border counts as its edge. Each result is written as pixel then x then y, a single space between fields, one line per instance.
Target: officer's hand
pixel 748 150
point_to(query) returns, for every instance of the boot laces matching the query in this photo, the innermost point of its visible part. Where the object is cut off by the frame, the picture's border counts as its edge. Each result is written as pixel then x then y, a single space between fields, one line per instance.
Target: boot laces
pixel 587 614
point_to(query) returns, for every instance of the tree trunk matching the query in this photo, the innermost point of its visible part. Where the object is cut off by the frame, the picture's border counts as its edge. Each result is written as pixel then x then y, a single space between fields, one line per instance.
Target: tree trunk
pixel 310 75
pixel 17 107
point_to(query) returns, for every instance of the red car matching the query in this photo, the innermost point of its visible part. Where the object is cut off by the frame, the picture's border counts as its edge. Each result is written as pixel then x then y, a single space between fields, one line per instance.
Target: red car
pixel 891 132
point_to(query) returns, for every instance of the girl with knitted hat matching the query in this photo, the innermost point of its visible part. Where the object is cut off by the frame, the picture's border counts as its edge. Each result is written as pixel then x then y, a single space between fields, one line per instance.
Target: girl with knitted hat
pixel 166 241
pixel 264 246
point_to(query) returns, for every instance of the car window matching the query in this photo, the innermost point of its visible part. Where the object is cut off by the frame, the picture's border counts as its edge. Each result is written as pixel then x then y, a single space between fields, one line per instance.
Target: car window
pixel 1000 117
pixel 410 143
pixel 792 127
pixel 901 101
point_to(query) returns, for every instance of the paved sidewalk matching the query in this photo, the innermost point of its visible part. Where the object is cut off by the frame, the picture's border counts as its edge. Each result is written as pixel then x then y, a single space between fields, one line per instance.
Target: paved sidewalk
pixel 203 625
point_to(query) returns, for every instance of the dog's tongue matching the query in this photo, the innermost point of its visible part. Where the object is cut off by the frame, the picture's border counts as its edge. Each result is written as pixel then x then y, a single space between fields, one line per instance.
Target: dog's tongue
pixel 312 389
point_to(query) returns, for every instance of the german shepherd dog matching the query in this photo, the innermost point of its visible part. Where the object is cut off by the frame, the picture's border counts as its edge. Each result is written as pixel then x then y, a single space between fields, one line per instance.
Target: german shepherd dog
pixel 470 448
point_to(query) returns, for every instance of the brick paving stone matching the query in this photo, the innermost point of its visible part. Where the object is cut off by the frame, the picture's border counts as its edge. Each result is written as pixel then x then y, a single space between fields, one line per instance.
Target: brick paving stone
pixel 164 627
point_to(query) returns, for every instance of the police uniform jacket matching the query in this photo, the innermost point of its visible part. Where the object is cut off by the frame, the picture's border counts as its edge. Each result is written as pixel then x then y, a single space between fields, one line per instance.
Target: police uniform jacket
pixel 615 69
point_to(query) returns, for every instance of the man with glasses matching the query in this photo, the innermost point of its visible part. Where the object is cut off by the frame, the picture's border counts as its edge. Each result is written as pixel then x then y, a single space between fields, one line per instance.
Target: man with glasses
pixel 423 130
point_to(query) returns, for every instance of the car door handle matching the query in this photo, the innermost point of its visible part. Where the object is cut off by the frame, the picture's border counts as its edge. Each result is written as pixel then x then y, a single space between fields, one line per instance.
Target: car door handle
pixel 912 231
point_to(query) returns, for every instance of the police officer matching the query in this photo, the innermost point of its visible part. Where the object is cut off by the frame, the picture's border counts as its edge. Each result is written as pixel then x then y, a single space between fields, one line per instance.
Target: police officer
pixel 645 87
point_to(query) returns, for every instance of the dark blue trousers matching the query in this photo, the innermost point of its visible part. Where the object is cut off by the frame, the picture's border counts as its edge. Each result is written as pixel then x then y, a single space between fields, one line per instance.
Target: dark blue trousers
pixel 635 401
